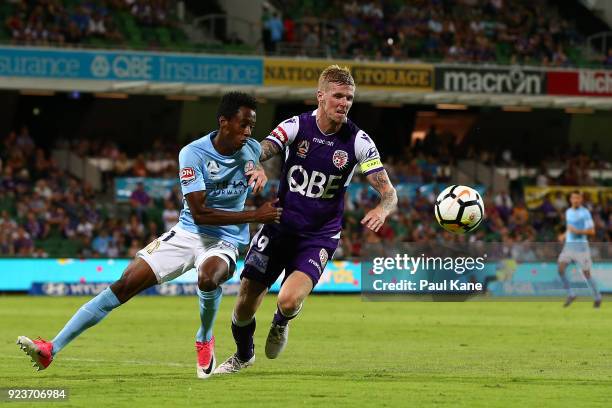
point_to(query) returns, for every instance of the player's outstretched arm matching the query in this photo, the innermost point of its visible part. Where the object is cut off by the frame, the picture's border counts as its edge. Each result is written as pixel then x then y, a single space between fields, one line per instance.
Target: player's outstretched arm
pixel 257 176
pixel 588 231
pixel 376 217
pixel 268 149
pixel 203 215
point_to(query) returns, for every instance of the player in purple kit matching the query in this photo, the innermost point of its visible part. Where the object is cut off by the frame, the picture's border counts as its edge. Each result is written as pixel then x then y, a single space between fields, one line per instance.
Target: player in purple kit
pixel 322 150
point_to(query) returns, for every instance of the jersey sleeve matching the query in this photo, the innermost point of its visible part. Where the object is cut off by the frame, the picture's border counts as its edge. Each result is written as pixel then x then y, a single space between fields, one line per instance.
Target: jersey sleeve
pixel 367 154
pixel 588 220
pixel 192 172
pixel 284 134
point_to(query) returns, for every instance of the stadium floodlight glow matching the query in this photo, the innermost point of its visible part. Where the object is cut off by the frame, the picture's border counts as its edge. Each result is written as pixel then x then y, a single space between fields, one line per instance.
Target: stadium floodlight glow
pixel 403 97
pixel 191 98
pixel 579 110
pixel 132 86
pixel 537 101
pixel 451 106
pixel 305 93
pixel 427 114
pixel 387 105
pixel 36 92
pixel 513 108
pixel 473 99
pixel 203 89
pixel 273 92
pixel 173 88
pixel 111 95
pixel 599 103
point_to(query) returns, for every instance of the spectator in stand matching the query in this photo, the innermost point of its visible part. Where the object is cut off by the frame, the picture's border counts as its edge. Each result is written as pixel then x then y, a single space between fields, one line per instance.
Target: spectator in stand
pixel 22 241
pixel 458 31
pixel 275 27
pixel 102 242
pixel 608 59
pixel 139 167
pixel 289 30
pixel 140 200
pixel 170 216
pixel 123 166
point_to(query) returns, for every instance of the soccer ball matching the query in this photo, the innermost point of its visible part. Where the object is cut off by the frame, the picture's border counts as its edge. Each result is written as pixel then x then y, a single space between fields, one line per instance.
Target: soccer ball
pixel 459 209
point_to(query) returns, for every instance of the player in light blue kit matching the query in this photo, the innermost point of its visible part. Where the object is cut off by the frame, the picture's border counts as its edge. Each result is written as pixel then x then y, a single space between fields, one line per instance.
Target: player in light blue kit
pixel 576 248
pixel 213 176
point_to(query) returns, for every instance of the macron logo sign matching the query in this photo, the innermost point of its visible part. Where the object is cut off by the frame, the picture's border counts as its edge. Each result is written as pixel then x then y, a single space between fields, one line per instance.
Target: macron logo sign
pixel 595 82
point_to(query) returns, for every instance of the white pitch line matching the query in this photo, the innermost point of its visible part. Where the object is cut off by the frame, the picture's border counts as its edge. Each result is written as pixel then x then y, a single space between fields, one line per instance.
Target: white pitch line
pixel 126 362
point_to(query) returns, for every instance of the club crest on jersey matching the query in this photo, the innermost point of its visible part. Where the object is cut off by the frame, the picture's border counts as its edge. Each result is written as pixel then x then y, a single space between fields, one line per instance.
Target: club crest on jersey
pixel 212 167
pixel 323 257
pixel 249 165
pixel 302 149
pixel 340 159
pixel 187 175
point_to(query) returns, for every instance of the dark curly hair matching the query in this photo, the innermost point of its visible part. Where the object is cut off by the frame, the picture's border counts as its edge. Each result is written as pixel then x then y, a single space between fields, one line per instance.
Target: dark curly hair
pixel 231 103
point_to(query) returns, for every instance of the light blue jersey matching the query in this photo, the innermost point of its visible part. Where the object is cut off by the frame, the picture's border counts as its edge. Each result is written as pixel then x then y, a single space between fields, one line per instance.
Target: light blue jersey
pixel 223 179
pixel 579 218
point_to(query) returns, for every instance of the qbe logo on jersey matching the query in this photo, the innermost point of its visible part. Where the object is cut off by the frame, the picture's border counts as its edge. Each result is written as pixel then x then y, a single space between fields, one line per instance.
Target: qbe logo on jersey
pixel 187 175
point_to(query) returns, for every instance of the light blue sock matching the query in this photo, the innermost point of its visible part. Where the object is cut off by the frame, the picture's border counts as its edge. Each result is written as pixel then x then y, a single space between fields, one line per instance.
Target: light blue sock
pixel 566 285
pixel 593 287
pixel 209 305
pixel 88 315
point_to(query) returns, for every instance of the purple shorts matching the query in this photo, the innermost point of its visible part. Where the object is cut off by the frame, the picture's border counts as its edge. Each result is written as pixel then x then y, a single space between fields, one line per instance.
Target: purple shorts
pixel 273 251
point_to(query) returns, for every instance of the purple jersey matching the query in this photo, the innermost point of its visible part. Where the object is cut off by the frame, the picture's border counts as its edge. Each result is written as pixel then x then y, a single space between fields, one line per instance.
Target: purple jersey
pixel 317 171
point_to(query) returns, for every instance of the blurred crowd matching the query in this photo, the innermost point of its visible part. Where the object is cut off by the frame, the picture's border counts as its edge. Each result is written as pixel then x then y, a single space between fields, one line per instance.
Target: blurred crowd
pixel 42 207
pixel 516 31
pixel 113 161
pixel 46 212
pixel 43 22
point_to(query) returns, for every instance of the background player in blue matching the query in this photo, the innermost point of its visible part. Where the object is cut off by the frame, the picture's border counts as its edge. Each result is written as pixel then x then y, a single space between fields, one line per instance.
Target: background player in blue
pixel 322 150
pixel 213 171
pixel 576 248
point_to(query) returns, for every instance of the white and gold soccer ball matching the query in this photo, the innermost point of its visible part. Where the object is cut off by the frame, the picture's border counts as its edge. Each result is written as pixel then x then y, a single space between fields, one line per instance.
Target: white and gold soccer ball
pixel 459 209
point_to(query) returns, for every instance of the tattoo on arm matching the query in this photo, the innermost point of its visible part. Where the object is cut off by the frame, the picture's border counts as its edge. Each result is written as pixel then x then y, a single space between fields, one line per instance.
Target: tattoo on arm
pixel 380 179
pixel 268 149
pixel 388 201
pixel 388 196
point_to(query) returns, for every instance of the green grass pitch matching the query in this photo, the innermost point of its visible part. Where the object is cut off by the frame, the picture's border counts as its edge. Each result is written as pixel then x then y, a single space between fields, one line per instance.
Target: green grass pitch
pixel 341 352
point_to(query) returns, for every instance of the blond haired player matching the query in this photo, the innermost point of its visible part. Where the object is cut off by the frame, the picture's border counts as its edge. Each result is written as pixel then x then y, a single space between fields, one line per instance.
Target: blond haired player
pixel 322 150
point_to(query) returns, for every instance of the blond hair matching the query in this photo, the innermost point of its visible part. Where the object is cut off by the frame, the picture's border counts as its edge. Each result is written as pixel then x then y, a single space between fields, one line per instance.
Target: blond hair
pixel 336 74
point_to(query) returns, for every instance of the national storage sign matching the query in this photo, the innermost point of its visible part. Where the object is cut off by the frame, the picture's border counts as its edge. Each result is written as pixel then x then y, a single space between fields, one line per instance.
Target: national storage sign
pixel 305 74
pixel 514 80
pixel 52 63
pixel 584 82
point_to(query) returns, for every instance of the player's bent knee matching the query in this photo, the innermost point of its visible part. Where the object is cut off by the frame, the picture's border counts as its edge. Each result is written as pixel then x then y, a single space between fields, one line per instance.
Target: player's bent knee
pixel 207 281
pixel 212 273
pixel 289 305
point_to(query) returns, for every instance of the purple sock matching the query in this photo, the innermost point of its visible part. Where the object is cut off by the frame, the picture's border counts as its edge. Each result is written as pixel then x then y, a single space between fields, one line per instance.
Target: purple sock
pixel 280 319
pixel 243 336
